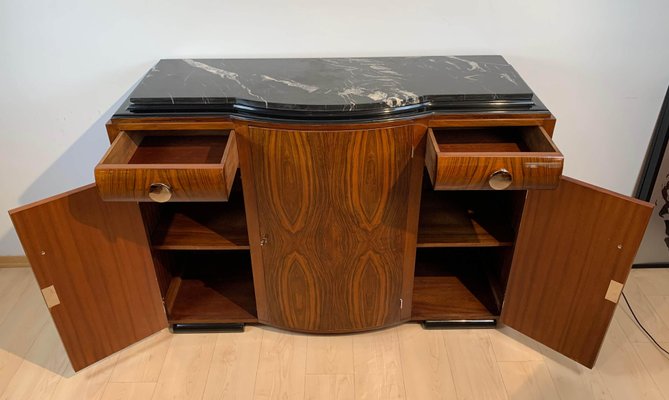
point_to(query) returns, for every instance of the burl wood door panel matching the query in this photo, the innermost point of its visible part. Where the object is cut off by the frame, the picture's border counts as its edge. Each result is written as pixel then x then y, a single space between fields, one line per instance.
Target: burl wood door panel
pixel 574 250
pixel 93 263
pixel 335 222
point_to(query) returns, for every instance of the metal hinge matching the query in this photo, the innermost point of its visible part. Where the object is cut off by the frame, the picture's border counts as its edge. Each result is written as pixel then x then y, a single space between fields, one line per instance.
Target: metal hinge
pixel 263 240
pixel 50 296
pixel 401 303
pixel 613 292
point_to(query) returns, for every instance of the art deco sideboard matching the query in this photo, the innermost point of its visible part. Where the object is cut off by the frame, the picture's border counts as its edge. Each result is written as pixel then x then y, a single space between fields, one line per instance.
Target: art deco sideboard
pixel 331 196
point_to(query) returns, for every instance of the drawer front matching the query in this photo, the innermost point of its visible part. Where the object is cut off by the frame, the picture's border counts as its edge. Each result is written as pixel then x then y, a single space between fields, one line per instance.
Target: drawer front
pixel 119 179
pixel 493 170
pixel 475 173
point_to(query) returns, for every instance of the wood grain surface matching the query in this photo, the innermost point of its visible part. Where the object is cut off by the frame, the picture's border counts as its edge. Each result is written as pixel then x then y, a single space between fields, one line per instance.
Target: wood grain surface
pixel 203 226
pixel 192 165
pixel 97 256
pixel 465 218
pixel 572 242
pixel 211 286
pixel 453 283
pixel 334 215
pixel 465 159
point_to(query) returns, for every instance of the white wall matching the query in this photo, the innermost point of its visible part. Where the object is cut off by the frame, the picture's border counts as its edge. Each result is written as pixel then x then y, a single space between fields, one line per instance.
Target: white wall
pixel 602 67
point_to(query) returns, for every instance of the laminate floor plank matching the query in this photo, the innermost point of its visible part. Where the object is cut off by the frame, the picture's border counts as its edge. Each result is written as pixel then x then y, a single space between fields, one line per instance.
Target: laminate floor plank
pixel 232 374
pixel 186 367
pixel 378 366
pixel 143 361
pixel 660 306
pixel 619 359
pixel 281 367
pixel 652 281
pixel 656 363
pixel 89 383
pixel 330 354
pixel 13 282
pixel 329 387
pixel 644 311
pixel 128 391
pixel 21 324
pixel 475 370
pixel 572 380
pixel 425 362
pixel 40 372
pixel 528 380
pixel 397 363
pixel 510 345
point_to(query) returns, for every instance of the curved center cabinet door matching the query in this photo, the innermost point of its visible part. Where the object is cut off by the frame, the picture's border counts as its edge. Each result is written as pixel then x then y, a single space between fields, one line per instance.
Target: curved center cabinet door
pixel 337 213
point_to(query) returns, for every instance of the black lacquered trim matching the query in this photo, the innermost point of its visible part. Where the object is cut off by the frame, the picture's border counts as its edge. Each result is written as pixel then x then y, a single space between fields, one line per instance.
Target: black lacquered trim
pixel 207 327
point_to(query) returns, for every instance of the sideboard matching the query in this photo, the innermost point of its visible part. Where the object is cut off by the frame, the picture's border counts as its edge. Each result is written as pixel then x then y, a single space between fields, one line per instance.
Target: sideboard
pixel 331 196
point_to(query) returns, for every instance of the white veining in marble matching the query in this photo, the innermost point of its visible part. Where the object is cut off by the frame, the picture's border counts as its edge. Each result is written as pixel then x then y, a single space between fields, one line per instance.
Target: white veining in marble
pixel 308 88
pixel 233 76
pixel 330 84
pixel 508 78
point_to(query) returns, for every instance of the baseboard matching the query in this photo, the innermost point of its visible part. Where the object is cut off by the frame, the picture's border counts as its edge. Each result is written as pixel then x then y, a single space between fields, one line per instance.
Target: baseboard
pixel 650 265
pixel 13 262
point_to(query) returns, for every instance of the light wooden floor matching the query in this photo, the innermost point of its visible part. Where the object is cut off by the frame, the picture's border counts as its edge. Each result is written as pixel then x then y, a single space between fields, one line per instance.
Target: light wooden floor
pixel 403 362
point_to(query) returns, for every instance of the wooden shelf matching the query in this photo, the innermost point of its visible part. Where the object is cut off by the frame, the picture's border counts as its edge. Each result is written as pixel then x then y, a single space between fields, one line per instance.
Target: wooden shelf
pixel 459 219
pixel 455 284
pixel 203 226
pixel 214 287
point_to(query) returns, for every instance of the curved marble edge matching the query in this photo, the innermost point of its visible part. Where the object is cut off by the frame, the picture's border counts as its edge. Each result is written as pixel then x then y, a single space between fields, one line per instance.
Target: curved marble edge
pixel 330 86
pixel 533 106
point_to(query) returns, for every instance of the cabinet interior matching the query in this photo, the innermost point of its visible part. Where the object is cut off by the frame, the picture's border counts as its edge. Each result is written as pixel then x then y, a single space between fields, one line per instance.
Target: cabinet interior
pixel 210 286
pixel 203 226
pixel 464 250
pixel 507 139
pixel 165 147
pixel 202 259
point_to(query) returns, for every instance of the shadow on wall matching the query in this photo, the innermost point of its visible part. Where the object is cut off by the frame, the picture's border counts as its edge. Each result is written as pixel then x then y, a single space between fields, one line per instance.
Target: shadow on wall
pixel 74 168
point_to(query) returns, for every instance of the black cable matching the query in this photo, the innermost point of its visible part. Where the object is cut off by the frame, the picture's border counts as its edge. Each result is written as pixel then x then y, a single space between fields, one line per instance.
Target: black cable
pixel 642 327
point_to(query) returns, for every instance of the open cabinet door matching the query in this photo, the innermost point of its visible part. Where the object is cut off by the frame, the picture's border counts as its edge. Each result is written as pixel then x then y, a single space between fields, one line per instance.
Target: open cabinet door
pixel 574 250
pixel 93 262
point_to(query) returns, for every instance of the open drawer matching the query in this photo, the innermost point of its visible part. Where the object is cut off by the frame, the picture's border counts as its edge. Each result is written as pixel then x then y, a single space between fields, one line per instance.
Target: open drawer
pixel 519 157
pixel 168 166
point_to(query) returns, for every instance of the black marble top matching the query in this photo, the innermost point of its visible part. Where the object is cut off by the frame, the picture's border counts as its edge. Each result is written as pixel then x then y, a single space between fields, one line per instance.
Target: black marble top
pixel 330 87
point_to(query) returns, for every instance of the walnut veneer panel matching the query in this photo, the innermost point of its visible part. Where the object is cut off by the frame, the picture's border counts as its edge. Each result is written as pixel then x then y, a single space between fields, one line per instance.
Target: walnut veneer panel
pixel 572 243
pixel 532 159
pixel 97 257
pixel 334 216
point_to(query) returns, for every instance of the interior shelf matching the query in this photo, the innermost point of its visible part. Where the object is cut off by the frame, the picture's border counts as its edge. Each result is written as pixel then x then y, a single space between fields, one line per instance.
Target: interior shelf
pixel 456 284
pixel 465 218
pixel 203 226
pixel 212 287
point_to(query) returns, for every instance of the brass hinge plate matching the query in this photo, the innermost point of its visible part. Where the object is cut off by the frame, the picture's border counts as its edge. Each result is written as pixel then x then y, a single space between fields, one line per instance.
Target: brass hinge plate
pixel 50 296
pixel 613 293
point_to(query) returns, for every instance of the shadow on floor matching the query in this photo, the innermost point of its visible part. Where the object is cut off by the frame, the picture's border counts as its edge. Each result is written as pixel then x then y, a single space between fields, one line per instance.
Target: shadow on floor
pixel 26 328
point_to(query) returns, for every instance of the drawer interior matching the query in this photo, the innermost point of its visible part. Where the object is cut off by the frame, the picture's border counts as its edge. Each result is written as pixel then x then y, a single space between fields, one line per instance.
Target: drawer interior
pixel 164 147
pixel 503 139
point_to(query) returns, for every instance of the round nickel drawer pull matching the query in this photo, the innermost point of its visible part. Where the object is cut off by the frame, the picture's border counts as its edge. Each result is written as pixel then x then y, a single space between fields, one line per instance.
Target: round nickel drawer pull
pixel 500 179
pixel 160 192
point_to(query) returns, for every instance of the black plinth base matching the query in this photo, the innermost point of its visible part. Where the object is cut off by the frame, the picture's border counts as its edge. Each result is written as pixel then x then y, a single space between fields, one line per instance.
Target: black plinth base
pixel 459 323
pixel 207 327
